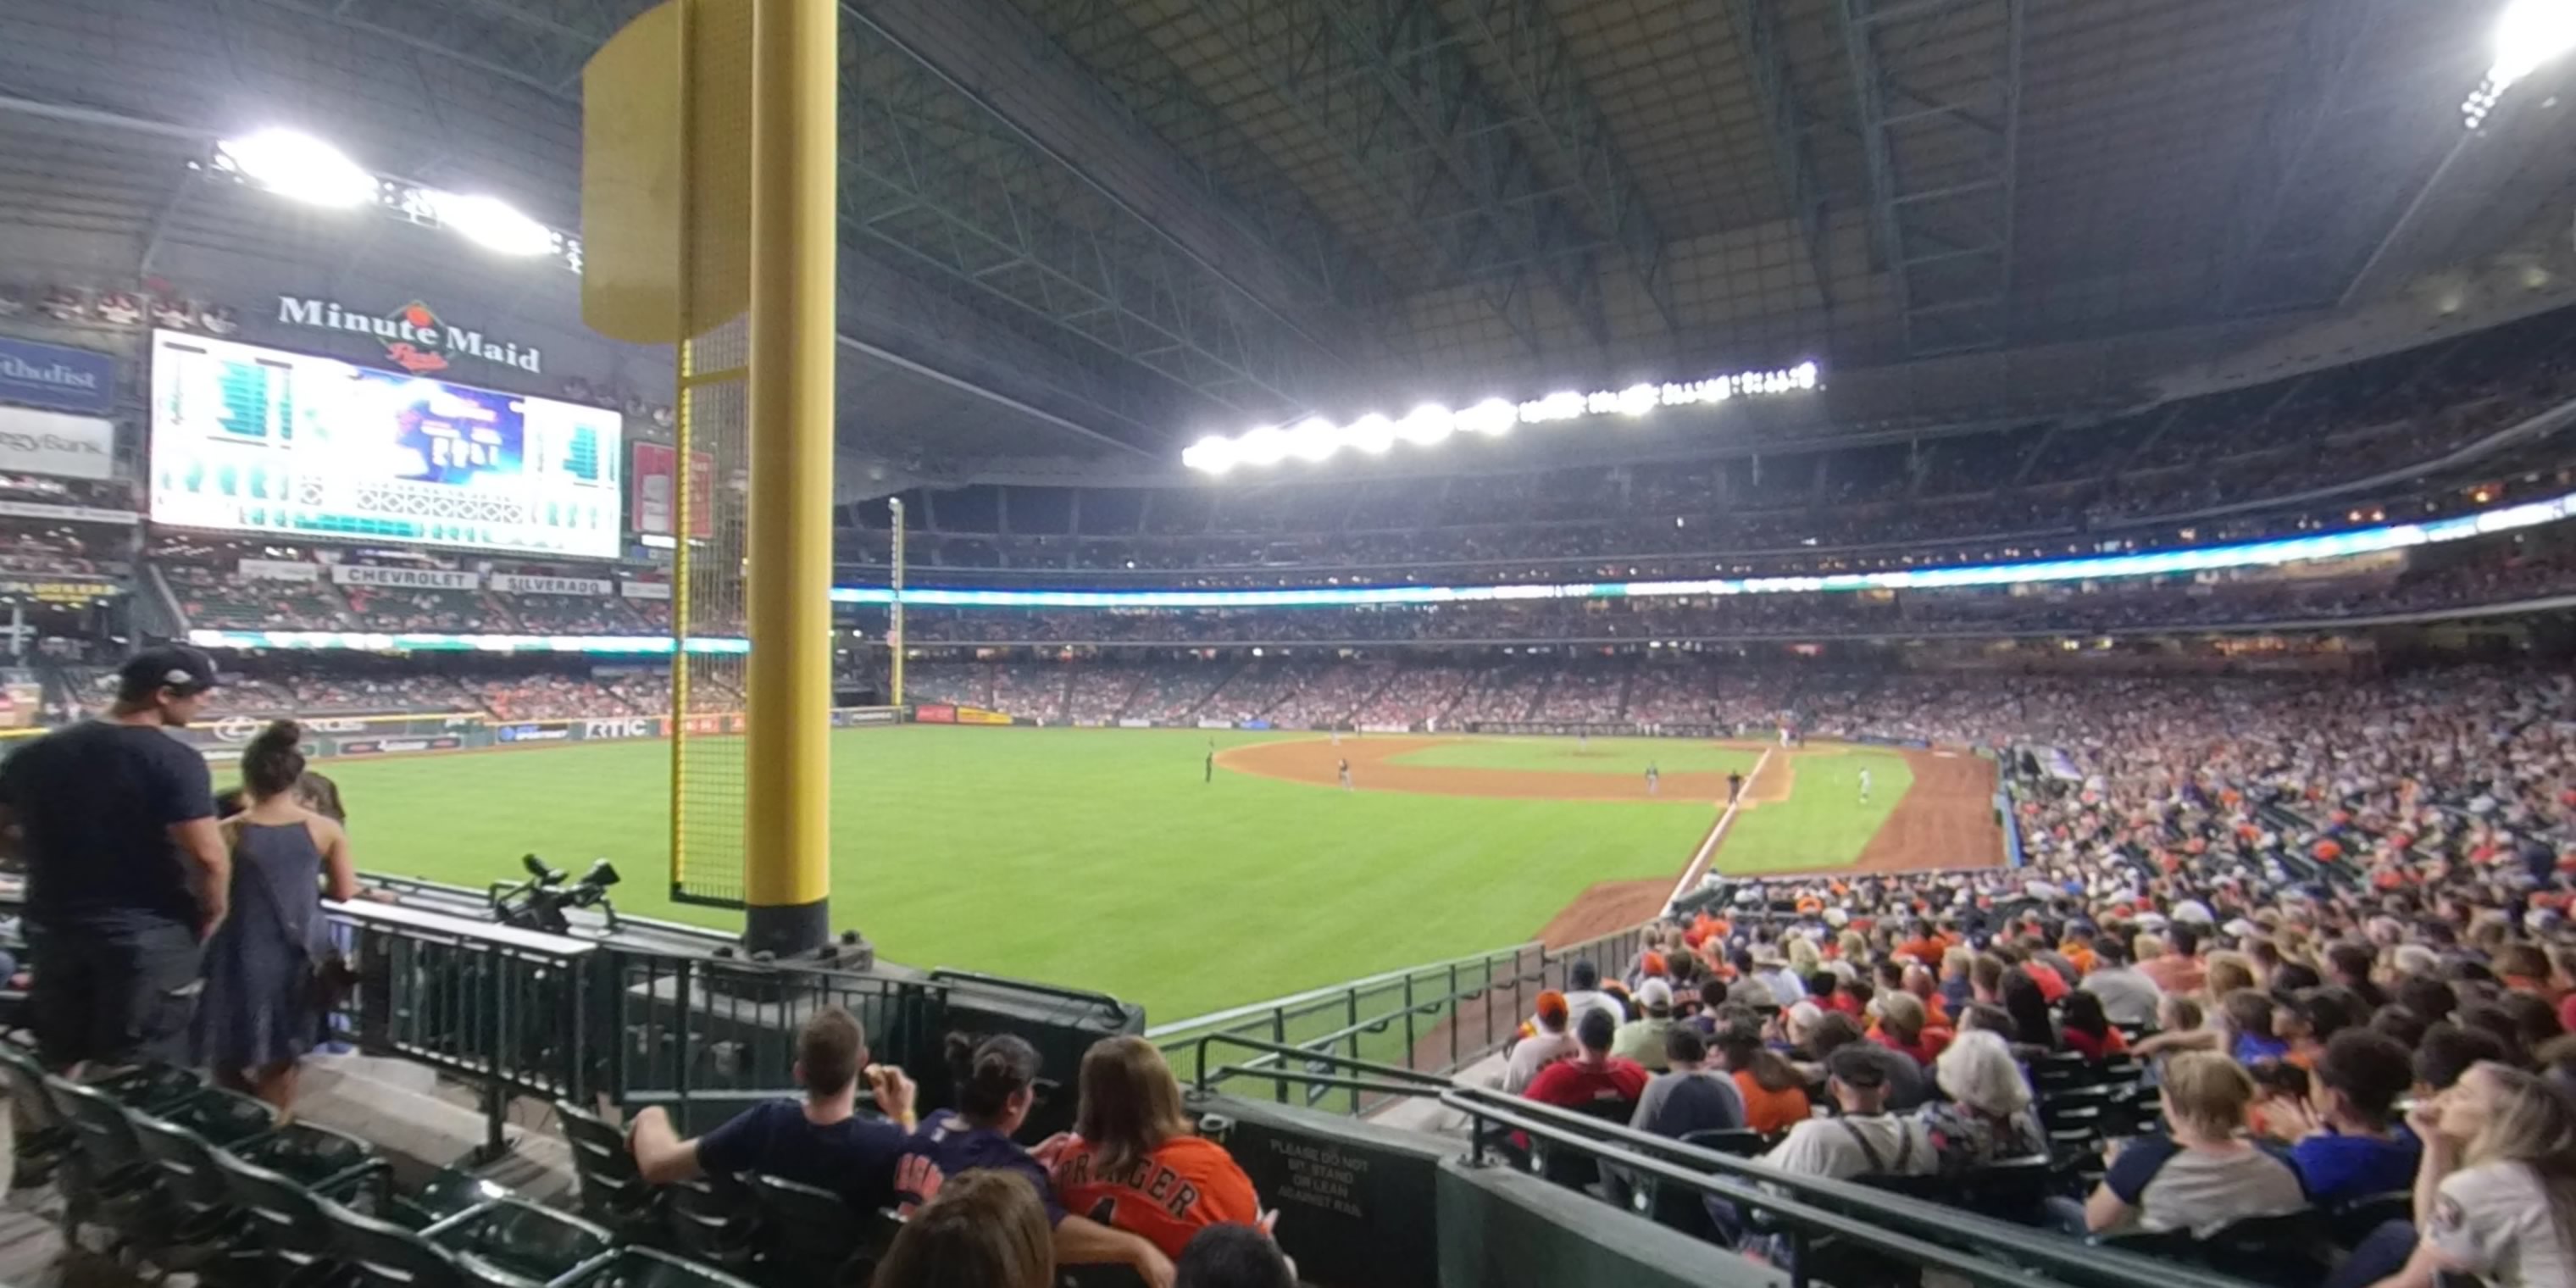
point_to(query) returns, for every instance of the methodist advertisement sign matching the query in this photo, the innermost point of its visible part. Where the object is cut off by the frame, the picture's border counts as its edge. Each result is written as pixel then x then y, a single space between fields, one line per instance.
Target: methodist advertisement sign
pixel 251 439
pixel 51 376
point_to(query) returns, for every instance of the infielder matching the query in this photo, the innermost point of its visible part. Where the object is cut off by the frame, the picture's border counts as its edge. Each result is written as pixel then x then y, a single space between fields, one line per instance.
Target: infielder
pixel 1346 775
pixel 1652 778
pixel 1864 786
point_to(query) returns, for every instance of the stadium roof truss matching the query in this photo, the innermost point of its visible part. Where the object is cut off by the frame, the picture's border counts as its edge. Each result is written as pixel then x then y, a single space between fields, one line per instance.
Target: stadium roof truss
pixel 1937 93
pixel 1089 231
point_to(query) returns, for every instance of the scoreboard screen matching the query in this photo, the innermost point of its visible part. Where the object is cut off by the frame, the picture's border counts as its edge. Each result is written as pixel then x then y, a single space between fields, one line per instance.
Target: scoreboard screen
pixel 259 440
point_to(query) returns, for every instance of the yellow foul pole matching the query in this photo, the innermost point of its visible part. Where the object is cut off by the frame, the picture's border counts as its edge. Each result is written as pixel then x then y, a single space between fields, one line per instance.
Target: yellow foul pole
pixel 795 143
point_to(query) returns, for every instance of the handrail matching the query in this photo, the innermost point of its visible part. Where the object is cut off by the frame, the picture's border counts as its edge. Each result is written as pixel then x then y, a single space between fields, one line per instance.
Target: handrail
pixel 1254 1010
pixel 1866 1213
pixel 1420 1080
pixel 1111 1006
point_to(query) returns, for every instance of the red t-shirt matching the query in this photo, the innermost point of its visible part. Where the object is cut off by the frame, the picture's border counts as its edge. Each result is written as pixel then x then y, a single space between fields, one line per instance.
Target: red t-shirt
pixel 1184 1186
pixel 1572 1084
pixel 2112 1042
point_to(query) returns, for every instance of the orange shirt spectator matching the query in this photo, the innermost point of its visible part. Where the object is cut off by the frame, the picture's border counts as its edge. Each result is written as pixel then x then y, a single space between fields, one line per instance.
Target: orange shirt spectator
pixel 1768 1111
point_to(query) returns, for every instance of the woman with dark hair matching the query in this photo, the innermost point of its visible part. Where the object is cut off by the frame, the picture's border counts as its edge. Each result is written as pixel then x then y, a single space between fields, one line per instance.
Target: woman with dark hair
pixel 261 1008
pixel 995 1085
pixel 1133 1163
pixel 985 1230
pixel 1775 1097
pixel 2088 1031
pixel 2021 999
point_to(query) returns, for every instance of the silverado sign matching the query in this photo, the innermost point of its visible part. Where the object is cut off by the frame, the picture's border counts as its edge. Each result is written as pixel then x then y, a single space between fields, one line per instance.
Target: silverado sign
pixel 415 338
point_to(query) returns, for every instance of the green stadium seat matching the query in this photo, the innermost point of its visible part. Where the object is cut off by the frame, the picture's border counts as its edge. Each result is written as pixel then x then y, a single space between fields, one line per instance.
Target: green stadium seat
pixel 2286 1251
pixel 320 1159
pixel 613 1192
pixel 151 1087
pixel 292 1237
pixel 225 1119
pixel 44 1138
pixel 646 1268
pixel 107 1179
pixel 380 1254
pixel 2350 1222
pixel 521 1238
pixel 809 1236
pixel 206 1225
pixel 712 1219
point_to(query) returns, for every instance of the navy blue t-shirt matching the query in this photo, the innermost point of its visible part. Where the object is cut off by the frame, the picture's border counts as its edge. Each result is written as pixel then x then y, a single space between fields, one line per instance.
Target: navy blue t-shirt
pixel 853 1158
pixel 945 1146
pixel 2336 1169
pixel 95 802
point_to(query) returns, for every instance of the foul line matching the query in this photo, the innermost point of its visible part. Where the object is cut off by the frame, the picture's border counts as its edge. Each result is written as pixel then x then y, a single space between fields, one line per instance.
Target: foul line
pixel 1699 862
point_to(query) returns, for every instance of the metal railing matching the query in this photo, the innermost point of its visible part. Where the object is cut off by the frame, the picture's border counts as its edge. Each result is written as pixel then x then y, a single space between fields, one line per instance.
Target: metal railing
pixel 1808 1211
pixel 1434 1019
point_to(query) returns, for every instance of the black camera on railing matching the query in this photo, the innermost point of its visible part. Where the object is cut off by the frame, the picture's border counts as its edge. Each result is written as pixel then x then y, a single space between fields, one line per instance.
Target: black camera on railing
pixel 539 903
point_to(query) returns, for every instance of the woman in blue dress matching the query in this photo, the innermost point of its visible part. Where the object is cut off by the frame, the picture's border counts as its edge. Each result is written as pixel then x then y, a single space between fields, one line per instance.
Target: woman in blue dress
pixel 260 1012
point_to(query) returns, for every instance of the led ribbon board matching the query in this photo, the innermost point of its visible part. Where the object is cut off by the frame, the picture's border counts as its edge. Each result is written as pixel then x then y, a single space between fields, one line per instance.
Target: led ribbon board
pixel 432 642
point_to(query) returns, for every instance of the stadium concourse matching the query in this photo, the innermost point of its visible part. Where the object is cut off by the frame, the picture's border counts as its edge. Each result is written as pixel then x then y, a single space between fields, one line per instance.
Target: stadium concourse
pixel 1486 644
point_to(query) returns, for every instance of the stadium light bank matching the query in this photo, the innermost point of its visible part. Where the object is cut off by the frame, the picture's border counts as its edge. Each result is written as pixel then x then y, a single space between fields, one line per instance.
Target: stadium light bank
pixel 2527 34
pixel 1316 439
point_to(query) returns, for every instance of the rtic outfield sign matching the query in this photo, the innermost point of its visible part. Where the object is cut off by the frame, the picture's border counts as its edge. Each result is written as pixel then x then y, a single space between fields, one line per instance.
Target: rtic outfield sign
pixel 415 338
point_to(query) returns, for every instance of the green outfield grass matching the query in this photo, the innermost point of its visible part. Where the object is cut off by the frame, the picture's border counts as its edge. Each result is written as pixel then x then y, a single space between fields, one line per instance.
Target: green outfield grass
pixel 1822 824
pixel 1624 756
pixel 1092 858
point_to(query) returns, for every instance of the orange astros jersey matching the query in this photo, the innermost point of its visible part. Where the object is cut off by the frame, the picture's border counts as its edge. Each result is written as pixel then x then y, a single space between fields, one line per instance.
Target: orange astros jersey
pixel 1183 1187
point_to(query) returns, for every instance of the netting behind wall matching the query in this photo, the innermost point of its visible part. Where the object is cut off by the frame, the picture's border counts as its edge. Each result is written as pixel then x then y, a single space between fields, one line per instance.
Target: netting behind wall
pixel 707 616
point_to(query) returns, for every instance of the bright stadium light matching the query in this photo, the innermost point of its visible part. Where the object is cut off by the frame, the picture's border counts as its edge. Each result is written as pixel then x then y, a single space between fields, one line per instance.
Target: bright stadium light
pixel 1314 440
pixel 1264 446
pixel 1372 434
pixel 298 166
pixel 1317 439
pixel 2527 34
pixel 1492 416
pixel 1426 425
pixel 1213 454
pixel 490 223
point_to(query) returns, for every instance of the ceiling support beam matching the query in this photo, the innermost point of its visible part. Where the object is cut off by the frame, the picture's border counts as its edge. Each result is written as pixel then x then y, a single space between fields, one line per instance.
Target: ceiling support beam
pixel 2267 263
pixel 1542 82
pixel 995 57
pixel 1384 81
pixel 1785 121
pixel 1942 148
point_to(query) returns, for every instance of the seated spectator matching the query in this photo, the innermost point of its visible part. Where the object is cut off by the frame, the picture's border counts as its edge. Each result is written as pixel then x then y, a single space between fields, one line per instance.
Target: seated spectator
pixel 995 1085
pixel 2021 998
pixel 1865 1139
pixel 2350 1144
pixel 1904 1028
pixel 1689 1095
pixel 1987 1118
pixel 1775 1097
pixel 822 1141
pixel 2128 996
pixel 1549 1041
pixel 2448 1051
pixel 1233 1256
pixel 1907 1088
pixel 2247 1014
pixel 1593 1076
pixel 1583 993
pixel 2204 1177
pixel 1133 1163
pixel 2309 1019
pixel 985 1230
pixel 1642 1039
pixel 2495 1195
pixel 2085 1030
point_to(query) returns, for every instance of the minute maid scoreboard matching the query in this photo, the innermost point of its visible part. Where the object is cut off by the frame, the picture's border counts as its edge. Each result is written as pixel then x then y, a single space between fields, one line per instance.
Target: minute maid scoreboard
pixel 259 440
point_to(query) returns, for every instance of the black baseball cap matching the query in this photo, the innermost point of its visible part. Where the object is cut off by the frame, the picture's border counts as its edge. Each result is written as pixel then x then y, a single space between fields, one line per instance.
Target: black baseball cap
pixel 1856 1067
pixel 173 666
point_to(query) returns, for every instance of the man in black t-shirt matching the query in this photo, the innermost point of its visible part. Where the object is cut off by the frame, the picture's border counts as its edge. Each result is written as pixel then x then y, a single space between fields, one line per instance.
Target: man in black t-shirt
pixel 820 1141
pixel 126 872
